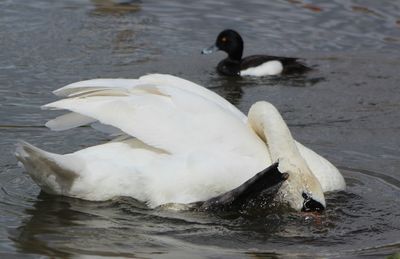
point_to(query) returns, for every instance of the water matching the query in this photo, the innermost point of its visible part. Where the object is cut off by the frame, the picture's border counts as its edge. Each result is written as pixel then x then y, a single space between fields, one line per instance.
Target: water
pixel 347 109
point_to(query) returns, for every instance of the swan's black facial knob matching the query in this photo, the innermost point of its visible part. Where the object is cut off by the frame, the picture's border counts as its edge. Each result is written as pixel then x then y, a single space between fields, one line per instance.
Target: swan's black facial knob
pixel 309 204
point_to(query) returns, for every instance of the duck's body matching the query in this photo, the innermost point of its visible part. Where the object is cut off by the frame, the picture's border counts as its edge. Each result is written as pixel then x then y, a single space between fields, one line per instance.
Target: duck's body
pixel 256 65
pixel 178 143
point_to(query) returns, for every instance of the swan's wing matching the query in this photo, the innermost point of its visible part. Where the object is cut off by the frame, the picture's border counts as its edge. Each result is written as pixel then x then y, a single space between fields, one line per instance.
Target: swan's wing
pixel 121 87
pixel 165 116
pixel 85 87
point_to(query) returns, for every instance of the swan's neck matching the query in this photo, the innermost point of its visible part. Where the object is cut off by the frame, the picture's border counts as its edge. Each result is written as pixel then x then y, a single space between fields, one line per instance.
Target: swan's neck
pixel 267 122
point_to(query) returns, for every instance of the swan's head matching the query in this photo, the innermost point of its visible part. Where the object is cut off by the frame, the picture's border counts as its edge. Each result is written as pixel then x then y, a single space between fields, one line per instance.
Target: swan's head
pixel 302 189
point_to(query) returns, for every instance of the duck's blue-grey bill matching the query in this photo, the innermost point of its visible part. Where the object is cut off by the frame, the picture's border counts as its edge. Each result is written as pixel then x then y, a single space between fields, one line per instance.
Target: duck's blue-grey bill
pixel 210 50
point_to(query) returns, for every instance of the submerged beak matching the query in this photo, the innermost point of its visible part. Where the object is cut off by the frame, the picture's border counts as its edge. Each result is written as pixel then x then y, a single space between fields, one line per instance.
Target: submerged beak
pixel 210 50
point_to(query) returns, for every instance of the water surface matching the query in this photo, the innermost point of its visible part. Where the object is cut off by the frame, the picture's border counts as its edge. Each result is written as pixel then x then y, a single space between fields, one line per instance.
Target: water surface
pixel 347 109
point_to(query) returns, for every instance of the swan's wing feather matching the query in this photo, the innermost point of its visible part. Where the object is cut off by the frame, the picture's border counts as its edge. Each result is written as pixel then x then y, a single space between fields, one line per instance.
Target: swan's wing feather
pixel 69 121
pixel 73 120
pixel 86 86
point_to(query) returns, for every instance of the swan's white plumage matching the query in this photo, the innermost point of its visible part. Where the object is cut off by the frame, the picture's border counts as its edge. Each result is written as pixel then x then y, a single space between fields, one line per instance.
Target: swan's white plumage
pixel 327 174
pixel 191 144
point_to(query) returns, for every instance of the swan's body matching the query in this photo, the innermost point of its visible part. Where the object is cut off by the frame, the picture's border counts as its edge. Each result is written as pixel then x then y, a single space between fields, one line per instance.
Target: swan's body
pixel 177 142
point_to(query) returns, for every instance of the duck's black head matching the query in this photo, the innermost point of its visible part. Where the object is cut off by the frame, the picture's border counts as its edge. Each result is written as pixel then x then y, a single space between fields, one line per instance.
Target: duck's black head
pixel 230 42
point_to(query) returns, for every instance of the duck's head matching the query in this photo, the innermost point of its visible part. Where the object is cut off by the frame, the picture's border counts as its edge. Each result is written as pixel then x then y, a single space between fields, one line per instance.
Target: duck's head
pixel 228 41
pixel 302 189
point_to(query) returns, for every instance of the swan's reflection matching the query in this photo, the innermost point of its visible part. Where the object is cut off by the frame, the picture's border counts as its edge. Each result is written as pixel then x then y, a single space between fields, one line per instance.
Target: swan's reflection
pixel 64 227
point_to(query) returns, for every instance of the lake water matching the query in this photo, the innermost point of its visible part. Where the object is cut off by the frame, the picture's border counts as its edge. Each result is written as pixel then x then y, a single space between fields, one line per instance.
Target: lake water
pixel 347 109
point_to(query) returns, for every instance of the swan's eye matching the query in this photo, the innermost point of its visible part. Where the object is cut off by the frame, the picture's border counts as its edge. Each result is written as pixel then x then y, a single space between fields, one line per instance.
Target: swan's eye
pixel 309 204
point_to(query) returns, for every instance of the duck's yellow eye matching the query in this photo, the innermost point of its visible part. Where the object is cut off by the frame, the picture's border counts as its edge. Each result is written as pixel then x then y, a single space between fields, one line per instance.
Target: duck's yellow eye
pixel 224 39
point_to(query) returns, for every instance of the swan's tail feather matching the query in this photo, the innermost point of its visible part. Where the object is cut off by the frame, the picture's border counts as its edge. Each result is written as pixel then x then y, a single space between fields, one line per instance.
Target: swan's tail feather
pixel 52 172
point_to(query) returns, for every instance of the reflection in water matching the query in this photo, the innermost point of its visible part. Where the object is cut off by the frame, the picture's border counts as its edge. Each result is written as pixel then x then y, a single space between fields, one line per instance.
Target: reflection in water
pixel 295 81
pixel 228 87
pixel 63 227
pixel 115 7
pixel 32 236
pixel 231 88
pixel 124 43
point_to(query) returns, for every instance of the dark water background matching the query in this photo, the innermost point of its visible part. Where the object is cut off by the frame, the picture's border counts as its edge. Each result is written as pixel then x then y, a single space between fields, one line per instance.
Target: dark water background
pixel 347 109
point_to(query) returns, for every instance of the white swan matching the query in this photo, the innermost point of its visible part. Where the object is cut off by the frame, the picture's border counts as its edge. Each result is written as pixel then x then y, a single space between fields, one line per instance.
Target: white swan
pixel 177 142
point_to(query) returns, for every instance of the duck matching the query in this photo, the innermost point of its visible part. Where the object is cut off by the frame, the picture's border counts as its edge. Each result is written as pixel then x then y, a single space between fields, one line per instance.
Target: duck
pixel 231 42
pixel 173 142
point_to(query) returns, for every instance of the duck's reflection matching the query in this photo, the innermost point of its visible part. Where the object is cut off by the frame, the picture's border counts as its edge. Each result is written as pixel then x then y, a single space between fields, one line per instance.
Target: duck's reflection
pixel 228 87
pixel 296 80
pixel 232 88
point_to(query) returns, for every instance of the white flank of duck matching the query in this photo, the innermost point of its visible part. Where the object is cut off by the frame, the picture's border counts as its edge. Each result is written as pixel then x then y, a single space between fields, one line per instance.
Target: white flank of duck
pixel 269 68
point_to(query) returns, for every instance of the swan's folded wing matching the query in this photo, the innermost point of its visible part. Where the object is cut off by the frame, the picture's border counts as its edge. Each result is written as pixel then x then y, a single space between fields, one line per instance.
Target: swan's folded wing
pixel 167 117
